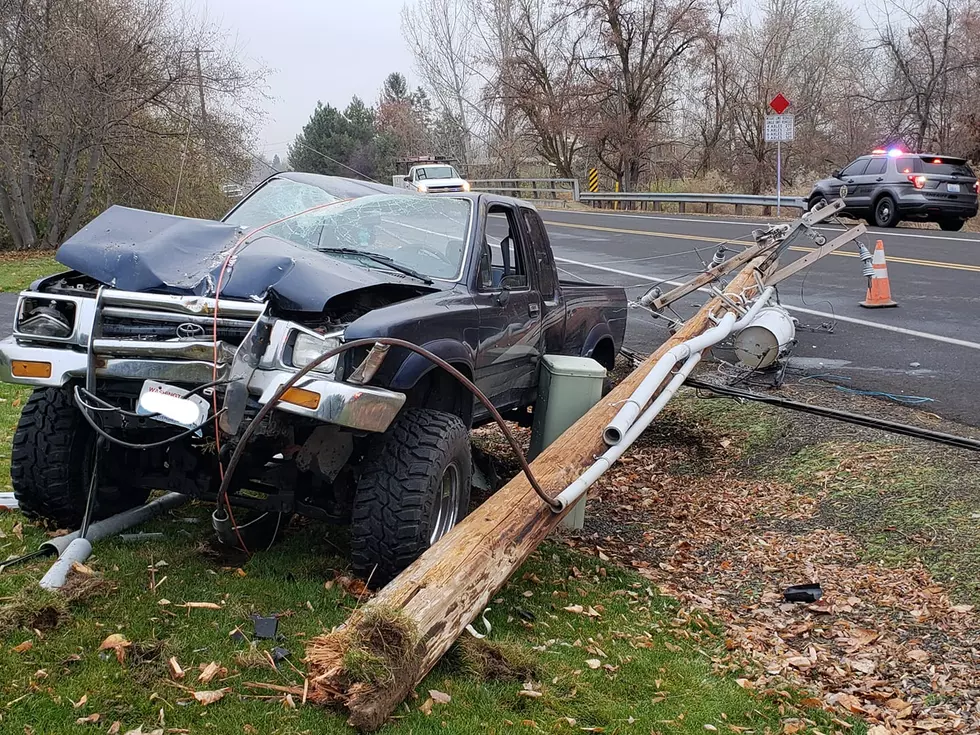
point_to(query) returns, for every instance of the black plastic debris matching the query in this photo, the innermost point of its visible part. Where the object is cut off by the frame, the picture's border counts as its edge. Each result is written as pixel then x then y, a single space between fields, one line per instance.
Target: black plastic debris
pixel 265 627
pixel 803 593
pixel 279 654
pixel 525 614
pixel 237 635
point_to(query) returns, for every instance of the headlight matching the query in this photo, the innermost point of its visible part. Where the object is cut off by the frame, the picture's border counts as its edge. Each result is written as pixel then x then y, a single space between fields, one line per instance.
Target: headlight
pixel 423 188
pixel 44 318
pixel 466 186
pixel 305 348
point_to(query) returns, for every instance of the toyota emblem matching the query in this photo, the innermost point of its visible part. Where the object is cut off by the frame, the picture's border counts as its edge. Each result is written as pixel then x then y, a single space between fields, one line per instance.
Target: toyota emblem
pixel 190 330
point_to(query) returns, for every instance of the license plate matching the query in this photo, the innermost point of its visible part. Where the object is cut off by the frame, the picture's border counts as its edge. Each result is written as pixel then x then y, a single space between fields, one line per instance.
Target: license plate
pixel 952 187
pixel 172 405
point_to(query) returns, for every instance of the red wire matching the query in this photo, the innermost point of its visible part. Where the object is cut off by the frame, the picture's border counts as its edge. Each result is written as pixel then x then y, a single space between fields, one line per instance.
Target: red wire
pixel 214 334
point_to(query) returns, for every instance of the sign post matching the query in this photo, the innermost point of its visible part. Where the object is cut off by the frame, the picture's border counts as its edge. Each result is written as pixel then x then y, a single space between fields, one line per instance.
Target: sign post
pixel 779 128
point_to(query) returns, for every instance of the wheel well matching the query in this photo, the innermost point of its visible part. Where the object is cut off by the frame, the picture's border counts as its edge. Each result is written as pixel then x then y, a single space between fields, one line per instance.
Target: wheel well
pixel 604 353
pixel 440 391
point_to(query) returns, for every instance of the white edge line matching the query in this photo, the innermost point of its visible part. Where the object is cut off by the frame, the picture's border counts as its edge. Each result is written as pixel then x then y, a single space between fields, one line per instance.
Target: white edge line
pixel 889 233
pixel 802 310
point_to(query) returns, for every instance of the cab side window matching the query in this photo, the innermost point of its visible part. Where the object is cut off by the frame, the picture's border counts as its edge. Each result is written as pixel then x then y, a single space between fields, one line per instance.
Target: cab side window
pixel 856 169
pixel 503 262
pixel 541 253
pixel 876 167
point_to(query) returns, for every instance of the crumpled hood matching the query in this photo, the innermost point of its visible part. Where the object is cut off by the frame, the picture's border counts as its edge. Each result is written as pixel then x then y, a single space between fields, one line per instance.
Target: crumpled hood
pixel 136 250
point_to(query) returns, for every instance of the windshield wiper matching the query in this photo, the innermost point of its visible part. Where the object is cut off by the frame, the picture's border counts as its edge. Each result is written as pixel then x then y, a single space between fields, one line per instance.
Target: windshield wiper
pixel 378 258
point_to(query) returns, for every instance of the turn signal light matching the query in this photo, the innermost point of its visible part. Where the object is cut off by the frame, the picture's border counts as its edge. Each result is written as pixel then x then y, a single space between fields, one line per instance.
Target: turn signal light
pixel 28 369
pixel 302 397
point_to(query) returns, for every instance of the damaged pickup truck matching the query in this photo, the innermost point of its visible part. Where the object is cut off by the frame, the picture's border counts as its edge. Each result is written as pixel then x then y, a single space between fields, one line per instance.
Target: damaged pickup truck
pixel 166 336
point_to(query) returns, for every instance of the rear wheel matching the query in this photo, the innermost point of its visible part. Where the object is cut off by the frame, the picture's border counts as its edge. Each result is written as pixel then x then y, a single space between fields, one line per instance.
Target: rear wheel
pixel 885 212
pixel 951 225
pixel 51 463
pixel 413 487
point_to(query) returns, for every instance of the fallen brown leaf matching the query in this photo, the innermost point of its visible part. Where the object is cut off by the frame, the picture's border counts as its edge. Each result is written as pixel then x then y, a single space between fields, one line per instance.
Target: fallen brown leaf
pixel 210 697
pixel 439 697
pixel 81 702
pixel 593 663
pixel 23 647
pixel 176 672
pixel 426 708
pixel 118 643
pixel 114 728
pixel 89 720
pixel 18 530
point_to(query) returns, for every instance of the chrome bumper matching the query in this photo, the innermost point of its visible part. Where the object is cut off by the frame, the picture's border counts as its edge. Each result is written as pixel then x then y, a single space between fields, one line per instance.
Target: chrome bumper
pixel 364 408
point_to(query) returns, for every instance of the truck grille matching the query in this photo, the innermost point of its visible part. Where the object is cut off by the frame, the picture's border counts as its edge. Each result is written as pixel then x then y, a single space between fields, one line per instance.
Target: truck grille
pixel 163 326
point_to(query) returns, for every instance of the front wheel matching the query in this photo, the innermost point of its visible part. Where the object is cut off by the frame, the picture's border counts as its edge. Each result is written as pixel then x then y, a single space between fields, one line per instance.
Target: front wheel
pixel 51 463
pixel 414 486
pixel 885 212
pixel 951 225
pixel 817 201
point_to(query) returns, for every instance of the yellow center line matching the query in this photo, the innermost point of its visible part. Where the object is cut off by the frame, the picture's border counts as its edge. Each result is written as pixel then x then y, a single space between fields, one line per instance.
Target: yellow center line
pixel 799 249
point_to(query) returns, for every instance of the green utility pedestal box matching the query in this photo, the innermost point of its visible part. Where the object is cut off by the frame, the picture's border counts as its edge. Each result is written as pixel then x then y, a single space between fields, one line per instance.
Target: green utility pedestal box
pixel 567 388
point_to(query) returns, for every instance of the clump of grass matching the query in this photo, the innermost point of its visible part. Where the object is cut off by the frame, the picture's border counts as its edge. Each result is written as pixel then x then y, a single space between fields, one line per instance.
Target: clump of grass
pixel 496 660
pixel 32 608
pixel 251 658
pixel 382 644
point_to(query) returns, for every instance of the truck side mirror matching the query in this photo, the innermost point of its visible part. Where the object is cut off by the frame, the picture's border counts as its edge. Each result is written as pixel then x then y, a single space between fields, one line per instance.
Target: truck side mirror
pixel 503 296
pixel 835 173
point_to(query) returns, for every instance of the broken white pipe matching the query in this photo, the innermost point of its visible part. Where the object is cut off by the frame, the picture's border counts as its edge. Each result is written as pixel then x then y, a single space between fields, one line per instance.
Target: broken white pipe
pixel 77 551
pixel 577 489
pixel 73 548
pixel 624 418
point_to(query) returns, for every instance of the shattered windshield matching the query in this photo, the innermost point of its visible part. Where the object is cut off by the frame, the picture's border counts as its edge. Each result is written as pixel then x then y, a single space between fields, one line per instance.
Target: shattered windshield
pixel 276 199
pixel 424 235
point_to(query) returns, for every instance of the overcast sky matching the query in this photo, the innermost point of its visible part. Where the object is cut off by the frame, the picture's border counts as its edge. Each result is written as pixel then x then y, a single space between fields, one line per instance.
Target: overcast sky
pixel 324 50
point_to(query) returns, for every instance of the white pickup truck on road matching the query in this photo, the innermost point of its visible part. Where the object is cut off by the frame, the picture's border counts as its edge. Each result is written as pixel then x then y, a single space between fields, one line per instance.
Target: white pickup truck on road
pixel 434 177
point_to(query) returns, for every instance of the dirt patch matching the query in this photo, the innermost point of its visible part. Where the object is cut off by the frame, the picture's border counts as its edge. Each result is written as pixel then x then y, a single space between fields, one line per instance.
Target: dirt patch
pixel 32 608
pixel 496 660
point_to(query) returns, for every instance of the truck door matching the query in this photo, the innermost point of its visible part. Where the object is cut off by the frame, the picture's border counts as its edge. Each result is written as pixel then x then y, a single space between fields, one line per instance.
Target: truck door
pixel 509 311
pixel 552 306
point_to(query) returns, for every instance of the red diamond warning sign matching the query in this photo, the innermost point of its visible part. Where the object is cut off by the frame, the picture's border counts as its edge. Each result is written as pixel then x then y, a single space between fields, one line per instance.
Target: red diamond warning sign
pixel 779 104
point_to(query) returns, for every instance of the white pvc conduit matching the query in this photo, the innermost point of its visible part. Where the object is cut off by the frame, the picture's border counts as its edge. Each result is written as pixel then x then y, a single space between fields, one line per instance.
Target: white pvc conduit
pixel 73 548
pixel 616 429
pixel 577 489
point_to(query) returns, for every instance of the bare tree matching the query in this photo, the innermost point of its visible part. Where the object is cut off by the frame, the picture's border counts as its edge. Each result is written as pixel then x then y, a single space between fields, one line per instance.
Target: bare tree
pixel 923 48
pixel 640 49
pixel 86 88
pixel 440 34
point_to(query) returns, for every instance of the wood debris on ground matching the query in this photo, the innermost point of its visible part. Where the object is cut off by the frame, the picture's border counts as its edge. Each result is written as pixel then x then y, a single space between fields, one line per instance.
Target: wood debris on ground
pixel 886 644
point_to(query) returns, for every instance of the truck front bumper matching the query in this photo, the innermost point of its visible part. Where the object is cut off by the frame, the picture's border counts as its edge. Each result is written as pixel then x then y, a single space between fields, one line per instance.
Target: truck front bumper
pixel 358 407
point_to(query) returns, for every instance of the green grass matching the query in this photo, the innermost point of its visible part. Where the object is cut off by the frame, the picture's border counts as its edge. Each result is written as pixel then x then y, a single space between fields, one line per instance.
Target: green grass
pixel 658 672
pixel 18 271
pixel 902 505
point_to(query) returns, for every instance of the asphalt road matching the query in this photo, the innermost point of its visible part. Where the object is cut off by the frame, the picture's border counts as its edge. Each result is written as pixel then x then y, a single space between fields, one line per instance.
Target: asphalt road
pixel 928 347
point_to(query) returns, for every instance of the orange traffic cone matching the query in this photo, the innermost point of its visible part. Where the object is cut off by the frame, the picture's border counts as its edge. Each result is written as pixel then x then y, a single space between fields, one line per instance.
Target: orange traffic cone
pixel 879 292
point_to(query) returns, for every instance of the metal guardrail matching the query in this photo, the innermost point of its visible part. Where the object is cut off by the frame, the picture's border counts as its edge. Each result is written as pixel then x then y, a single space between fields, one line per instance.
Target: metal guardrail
pixel 520 188
pixel 739 201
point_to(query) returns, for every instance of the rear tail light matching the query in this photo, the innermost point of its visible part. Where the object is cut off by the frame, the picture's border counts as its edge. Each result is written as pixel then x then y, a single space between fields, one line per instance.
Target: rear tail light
pixel 976 187
pixel 918 181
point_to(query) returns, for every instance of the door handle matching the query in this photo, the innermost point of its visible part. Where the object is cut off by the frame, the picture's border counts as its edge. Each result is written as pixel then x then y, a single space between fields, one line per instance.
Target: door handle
pixel 880 178
pixel 533 309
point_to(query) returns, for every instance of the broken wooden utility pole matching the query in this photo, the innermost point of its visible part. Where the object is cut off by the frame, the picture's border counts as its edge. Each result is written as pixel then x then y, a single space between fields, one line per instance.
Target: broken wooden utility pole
pixel 412 622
